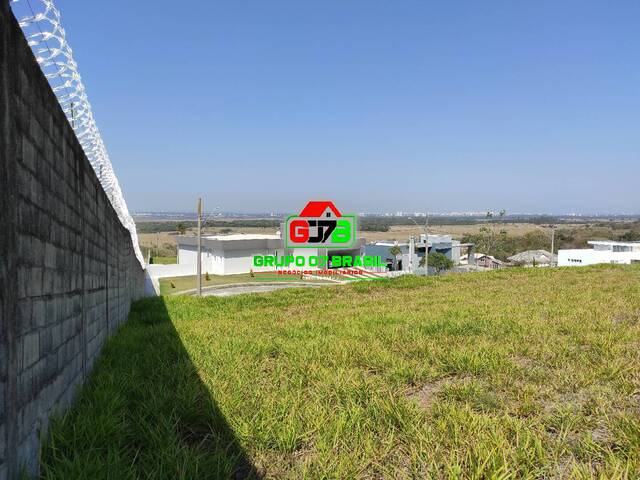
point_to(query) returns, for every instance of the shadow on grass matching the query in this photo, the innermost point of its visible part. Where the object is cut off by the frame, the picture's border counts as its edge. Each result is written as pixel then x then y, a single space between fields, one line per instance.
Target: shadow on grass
pixel 144 413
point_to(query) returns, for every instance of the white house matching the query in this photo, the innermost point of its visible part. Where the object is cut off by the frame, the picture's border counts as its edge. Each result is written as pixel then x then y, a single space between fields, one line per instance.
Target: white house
pixel 604 251
pixel 228 254
pixel 232 254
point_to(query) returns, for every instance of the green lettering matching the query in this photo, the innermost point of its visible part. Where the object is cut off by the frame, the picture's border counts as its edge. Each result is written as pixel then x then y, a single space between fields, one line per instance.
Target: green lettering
pixel 342 232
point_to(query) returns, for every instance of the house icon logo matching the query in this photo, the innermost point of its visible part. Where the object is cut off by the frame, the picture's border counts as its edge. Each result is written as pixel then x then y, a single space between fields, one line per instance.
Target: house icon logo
pixel 320 224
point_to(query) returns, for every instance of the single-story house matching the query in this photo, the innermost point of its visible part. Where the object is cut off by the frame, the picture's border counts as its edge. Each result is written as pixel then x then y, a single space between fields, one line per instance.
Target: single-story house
pixel 233 254
pixel 443 244
pixel 483 260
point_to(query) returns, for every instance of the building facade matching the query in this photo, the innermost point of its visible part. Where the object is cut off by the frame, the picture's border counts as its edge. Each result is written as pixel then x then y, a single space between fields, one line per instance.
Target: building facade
pixel 603 251
pixel 410 256
pixel 233 254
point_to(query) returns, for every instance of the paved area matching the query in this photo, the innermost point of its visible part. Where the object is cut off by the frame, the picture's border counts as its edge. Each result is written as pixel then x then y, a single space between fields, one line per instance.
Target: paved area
pixel 239 289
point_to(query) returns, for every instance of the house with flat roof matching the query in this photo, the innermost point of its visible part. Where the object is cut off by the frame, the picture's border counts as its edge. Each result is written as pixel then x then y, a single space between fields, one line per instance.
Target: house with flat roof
pixel 233 254
pixel 407 259
pixel 603 251
pixel 227 254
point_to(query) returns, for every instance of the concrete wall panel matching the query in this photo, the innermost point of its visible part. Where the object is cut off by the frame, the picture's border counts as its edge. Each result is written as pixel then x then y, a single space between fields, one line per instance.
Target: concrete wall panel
pixel 68 271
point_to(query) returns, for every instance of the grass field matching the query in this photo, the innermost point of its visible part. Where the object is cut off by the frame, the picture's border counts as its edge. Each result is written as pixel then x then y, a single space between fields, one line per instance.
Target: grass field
pixel 165 260
pixel 181 284
pixel 523 373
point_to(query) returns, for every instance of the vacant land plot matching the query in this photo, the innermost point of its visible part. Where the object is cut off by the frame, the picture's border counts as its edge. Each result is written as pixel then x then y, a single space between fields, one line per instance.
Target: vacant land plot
pixel 403 232
pixel 527 373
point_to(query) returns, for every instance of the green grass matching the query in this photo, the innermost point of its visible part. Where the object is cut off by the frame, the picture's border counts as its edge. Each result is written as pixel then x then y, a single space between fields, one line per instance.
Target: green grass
pixel 525 373
pixel 181 284
pixel 164 260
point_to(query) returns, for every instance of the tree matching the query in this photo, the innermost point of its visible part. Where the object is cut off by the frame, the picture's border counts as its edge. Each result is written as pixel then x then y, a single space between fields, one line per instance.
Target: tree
pixel 396 251
pixel 439 261
pixel 181 228
pixel 489 238
pixel 630 236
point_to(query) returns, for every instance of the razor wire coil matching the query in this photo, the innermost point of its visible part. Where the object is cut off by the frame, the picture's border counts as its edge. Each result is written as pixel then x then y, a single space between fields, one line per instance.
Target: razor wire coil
pixel 42 27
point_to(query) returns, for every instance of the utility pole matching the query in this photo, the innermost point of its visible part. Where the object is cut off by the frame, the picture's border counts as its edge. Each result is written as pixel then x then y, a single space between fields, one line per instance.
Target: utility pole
pixel 553 241
pixel 426 243
pixel 411 253
pixel 199 256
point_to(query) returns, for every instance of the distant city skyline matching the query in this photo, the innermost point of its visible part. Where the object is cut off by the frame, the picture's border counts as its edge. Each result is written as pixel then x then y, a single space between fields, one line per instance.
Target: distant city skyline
pixel 481 213
pixel 378 106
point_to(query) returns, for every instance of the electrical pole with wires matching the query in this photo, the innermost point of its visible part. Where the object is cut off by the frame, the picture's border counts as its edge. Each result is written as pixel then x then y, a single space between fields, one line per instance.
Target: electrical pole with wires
pixel 426 243
pixel 553 241
pixel 199 254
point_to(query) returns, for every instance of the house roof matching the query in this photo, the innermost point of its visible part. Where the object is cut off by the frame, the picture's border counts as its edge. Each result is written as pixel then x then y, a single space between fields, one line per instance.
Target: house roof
pixel 257 242
pixel 317 208
pixel 529 256
pixel 479 256
pixel 389 243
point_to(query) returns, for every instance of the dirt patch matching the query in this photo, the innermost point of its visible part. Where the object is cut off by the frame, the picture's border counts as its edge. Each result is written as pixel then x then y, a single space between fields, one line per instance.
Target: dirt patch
pixel 428 393
pixel 563 469
pixel 571 400
pixel 601 434
pixel 523 362
pixel 627 318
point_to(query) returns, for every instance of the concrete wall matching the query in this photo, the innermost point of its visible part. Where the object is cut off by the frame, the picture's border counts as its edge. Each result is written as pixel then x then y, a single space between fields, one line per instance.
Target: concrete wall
pixel 68 271
pixel 156 272
pixel 188 255
pixel 241 261
pixel 210 260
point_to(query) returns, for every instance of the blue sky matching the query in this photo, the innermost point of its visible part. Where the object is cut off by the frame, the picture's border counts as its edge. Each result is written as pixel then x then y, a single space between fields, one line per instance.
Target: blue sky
pixel 378 105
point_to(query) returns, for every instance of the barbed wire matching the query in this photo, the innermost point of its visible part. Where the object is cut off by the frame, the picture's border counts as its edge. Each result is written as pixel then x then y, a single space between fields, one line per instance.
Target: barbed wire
pixel 43 30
